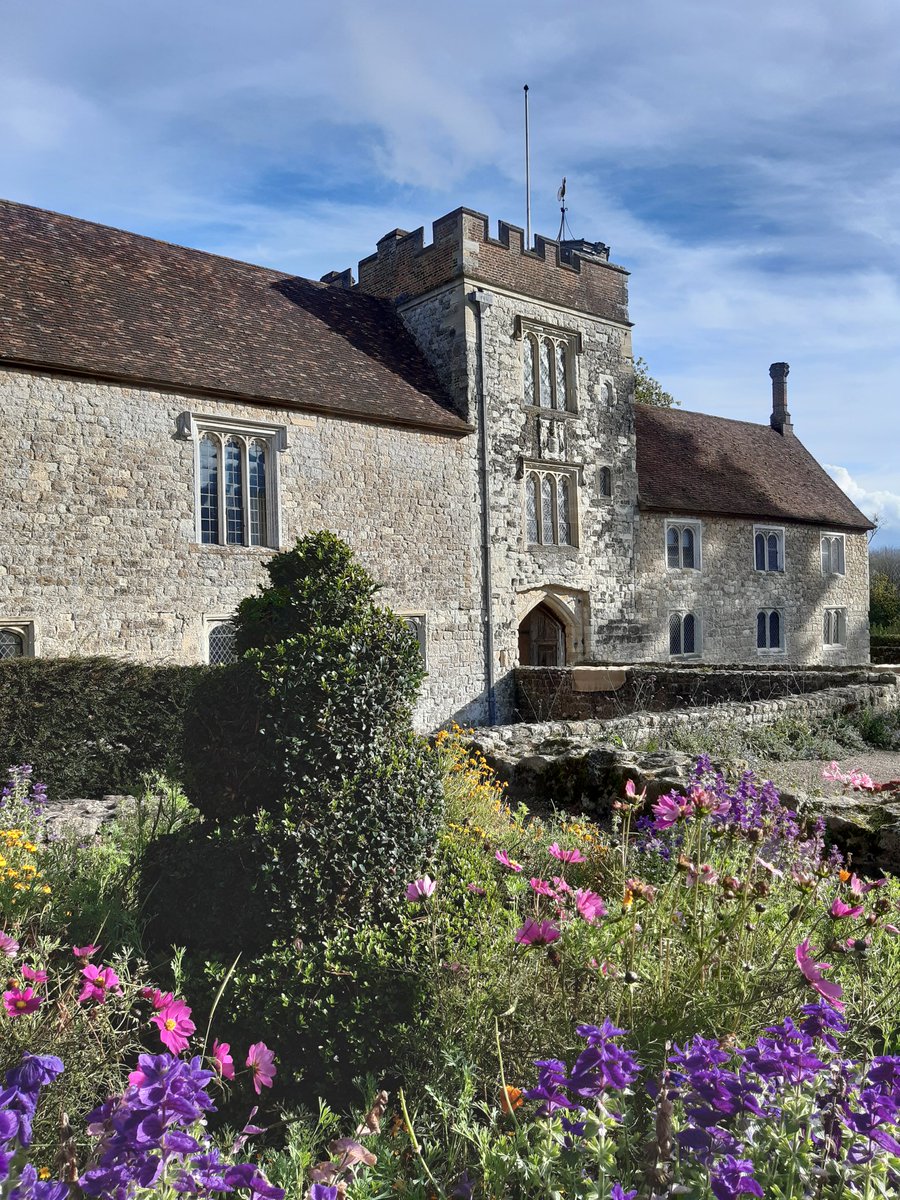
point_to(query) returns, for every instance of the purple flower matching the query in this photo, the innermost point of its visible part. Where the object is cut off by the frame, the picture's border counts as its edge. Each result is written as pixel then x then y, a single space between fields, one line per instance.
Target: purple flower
pixel 323 1191
pixel 536 933
pixel 616 1193
pixel 9 947
pixel 550 1089
pixel 732 1177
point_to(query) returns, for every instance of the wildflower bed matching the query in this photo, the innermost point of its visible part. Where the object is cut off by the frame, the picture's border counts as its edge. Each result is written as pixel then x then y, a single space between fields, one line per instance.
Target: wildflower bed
pixel 699 1000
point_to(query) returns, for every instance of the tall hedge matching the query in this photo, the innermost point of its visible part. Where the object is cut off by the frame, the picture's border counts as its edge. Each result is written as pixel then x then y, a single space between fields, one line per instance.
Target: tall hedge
pixel 91 726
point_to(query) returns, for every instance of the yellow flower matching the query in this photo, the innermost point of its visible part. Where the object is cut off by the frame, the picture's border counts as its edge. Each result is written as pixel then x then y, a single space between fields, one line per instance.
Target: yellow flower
pixel 44 1173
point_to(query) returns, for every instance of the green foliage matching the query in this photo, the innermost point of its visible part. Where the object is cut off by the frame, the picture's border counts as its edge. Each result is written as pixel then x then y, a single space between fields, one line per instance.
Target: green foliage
pixel 91 726
pixel 884 602
pixel 885 646
pixel 648 390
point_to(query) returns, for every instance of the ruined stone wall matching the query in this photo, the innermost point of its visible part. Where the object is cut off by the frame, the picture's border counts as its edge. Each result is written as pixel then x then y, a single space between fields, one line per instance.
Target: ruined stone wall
pixel 98 537
pixel 727 592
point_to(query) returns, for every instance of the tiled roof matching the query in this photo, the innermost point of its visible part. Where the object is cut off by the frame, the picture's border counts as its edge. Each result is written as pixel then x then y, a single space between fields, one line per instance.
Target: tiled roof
pixel 689 462
pixel 88 299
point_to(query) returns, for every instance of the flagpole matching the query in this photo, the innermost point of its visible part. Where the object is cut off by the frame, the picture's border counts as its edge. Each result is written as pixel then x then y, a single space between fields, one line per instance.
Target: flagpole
pixel 527 178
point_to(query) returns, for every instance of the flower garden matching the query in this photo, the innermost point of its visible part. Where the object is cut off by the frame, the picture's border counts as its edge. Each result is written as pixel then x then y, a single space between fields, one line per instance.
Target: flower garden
pixel 446 998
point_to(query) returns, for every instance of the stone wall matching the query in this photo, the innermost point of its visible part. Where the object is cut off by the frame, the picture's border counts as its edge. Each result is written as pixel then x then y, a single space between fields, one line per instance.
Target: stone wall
pixel 599 693
pixel 727 592
pixel 97 503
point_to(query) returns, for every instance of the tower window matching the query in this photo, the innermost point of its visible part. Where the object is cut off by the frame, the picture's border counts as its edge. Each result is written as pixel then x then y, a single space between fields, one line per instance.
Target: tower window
pixel 550 508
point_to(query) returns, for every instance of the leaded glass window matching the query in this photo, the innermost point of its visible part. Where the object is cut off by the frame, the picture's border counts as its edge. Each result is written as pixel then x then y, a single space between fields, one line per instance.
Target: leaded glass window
pixel 673 547
pixel 12 644
pixel 683 546
pixel 560 390
pixel 528 369
pixel 605 482
pixel 562 511
pixel 769 629
pixel 683 633
pixel 209 489
pixel 547 510
pixel 256 491
pixel 833 554
pixel 234 493
pixel 835 632
pixel 221 644
pixel 768 552
pixel 531 508
pixel 546 396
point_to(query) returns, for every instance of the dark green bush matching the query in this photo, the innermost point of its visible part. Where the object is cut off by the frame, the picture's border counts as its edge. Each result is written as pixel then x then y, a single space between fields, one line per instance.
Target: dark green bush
pixel 91 726
pixel 885 647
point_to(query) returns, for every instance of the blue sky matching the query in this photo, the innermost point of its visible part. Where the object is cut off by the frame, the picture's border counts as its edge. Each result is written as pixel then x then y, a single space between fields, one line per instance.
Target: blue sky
pixel 741 160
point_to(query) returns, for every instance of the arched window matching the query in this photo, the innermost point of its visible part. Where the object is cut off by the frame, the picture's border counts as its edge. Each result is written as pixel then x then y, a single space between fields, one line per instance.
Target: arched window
pixel 768 550
pixel 12 644
pixel 547 510
pixel 234 493
pixel 769 629
pixel 833 554
pixel 683 545
pixel 528 368
pixel 835 631
pixel 221 644
pixel 561 390
pixel 550 508
pixel 683 634
pixel 563 537
pixel 256 491
pixel 209 489
pixel 532 531
pixel 605 482
pixel 546 396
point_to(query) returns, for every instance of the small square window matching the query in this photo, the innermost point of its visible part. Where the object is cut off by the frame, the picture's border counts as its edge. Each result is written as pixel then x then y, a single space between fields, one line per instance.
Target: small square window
pixel 768 548
pixel 683 545
pixel 833 554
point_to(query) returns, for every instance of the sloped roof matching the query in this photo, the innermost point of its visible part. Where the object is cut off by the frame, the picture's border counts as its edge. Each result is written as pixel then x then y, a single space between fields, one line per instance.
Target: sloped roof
pixel 96 301
pixel 689 462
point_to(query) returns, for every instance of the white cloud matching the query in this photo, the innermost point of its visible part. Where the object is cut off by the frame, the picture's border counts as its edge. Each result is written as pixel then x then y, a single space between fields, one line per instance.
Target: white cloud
pixel 873 502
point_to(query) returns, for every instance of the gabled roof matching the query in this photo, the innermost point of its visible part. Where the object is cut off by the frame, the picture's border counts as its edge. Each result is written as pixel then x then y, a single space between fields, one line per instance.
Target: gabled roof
pixel 689 462
pixel 95 301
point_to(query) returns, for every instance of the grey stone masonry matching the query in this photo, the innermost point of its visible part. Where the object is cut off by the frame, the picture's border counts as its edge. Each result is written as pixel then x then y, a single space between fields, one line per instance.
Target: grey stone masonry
pixel 726 592
pixel 98 527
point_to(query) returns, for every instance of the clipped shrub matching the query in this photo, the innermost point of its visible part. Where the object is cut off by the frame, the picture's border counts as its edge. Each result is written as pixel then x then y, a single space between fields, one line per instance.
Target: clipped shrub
pixel 92 726
pixel 303 751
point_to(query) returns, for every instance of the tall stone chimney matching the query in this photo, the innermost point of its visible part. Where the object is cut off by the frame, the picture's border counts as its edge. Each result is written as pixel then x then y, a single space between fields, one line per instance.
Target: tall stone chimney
pixel 781 418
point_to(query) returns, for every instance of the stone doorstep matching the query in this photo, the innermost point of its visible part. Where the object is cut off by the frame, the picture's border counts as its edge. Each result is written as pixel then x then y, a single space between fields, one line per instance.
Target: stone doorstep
pixel 598 679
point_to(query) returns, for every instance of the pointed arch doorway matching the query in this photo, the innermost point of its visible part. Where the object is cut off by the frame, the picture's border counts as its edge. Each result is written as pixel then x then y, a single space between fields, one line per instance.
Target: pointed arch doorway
pixel 542 639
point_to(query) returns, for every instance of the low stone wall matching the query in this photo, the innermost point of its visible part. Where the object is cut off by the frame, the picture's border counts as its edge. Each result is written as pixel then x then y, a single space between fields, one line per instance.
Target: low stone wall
pixel 602 693
pixel 584 764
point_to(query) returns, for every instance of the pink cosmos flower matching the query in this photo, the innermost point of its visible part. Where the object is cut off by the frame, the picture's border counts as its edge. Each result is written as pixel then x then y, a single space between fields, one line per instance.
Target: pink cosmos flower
pixel 839 909
pixel 631 791
pixel 566 856
pixel 98 983
pixel 858 888
pixel 475 889
pixel 704 874
pixel 175 1026
pixel 503 858
pixel 537 933
pixel 560 884
pixel 541 886
pixel 812 971
pixel 158 999
pixel 222 1059
pixel 85 952
pixel 420 889
pixel 261 1061
pixel 590 906
pixel 670 810
pixel 853 778
pixel 32 975
pixel 9 947
pixel 20 1002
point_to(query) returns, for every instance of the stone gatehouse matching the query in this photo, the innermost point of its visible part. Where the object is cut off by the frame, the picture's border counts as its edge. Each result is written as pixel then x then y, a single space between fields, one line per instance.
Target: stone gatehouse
pixel 463 415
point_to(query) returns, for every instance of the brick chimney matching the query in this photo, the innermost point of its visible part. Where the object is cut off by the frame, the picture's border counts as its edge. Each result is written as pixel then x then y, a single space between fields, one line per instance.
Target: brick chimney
pixel 781 418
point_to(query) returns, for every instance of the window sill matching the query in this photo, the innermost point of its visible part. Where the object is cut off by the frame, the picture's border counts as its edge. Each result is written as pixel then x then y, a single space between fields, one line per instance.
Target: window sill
pixel 560 413
pixel 685 657
pixel 683 570
pixel 535 547
pixel 213 548
pixel 775 652
pixel 761 571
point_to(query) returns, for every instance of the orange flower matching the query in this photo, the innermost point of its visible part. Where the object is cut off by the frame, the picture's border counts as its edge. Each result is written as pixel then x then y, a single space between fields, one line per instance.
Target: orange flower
pixel 510 1099
pixel 843 875
pixel 628 898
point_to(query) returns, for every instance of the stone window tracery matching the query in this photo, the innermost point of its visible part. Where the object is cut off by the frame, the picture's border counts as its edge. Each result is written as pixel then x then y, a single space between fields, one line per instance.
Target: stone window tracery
pixel 769 629
pixel 684 631
pixel 833 554
pixel 835 627
pixel 220 643
pixel 548 370
pixel 768 549
pixel 16 640
pixel 604 483
pixel 550 507
pixel 236 479
pixel 683 545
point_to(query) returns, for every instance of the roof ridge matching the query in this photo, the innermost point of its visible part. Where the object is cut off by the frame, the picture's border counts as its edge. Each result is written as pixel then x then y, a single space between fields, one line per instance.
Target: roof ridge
pixel 157 241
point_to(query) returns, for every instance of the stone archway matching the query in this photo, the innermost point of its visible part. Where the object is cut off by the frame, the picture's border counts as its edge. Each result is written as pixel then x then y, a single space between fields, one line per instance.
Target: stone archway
pixel 542 639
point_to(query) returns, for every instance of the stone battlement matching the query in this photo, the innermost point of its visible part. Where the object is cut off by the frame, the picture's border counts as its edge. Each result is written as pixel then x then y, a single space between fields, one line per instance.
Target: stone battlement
pixel 574 275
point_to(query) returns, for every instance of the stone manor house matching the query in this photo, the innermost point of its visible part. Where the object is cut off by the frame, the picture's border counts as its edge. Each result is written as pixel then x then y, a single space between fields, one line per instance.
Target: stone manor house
pixel 463 415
